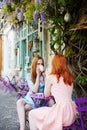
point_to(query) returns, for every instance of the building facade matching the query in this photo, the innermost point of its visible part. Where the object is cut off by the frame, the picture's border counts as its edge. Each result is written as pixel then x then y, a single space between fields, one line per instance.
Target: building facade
pixel 20 45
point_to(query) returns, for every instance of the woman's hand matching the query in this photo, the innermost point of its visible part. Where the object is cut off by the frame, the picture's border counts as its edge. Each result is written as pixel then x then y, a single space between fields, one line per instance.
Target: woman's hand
pixel 38 72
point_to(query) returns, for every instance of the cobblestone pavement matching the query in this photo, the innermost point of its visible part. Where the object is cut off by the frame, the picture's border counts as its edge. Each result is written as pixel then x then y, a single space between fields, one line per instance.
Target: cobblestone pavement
pixel 8 113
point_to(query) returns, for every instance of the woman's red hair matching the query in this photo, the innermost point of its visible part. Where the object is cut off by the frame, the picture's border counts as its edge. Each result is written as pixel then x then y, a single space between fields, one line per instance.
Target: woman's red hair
pixel 60 68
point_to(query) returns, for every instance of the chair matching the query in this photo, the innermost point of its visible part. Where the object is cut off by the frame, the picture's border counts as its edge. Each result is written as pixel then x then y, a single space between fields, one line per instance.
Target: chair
pixel 82 109
pixel 81 122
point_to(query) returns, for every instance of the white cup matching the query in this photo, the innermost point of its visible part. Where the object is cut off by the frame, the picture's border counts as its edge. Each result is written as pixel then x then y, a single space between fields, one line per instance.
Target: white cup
pixel 41 68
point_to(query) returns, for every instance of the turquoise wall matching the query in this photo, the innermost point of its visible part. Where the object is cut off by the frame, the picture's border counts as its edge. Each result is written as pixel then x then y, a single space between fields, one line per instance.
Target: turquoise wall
pixel 23 38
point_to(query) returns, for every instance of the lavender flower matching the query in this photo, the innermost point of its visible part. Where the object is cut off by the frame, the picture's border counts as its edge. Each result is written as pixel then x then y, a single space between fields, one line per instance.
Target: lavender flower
pixel 20 16
pixel 13 28
pixel 52 3
pixel 7 1
pixel 17 11
pixel 43 17
pixel 40 1
pixel 36 2
pixel 36 16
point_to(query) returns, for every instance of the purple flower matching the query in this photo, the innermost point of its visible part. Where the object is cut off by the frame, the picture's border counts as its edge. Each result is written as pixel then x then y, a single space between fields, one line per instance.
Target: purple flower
pixel 52 3
pixel 20 16
pixel 12 27
pixel 17 11
pixel 43 17
pixel 40 1
pixel 36 16
pixel 7 1
pixel 36 2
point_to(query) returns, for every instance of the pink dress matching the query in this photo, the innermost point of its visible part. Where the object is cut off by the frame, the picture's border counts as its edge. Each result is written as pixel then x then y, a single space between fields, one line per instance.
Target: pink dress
pixel 61 114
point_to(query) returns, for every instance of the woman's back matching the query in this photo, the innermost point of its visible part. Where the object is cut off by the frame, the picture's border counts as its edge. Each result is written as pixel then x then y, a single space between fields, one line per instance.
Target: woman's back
pixel 60 90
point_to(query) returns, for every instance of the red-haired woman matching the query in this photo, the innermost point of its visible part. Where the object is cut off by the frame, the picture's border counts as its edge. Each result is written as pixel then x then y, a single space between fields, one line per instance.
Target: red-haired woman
pixel 59 84
pixel 36 84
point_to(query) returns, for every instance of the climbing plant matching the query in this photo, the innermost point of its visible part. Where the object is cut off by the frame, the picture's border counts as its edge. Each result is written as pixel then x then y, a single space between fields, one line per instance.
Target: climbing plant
pixel 67 24
pixel 16 12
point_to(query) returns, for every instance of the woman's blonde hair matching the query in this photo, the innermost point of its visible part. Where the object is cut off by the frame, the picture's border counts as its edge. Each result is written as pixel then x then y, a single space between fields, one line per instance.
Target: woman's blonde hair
pixel 33 67
pixel 60 68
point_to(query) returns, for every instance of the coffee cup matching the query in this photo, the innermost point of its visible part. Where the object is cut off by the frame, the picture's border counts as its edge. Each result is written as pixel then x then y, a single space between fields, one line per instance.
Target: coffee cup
pixel 41 68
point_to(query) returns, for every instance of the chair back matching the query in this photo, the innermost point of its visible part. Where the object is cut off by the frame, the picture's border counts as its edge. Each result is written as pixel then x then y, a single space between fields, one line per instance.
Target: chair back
pixel 82 109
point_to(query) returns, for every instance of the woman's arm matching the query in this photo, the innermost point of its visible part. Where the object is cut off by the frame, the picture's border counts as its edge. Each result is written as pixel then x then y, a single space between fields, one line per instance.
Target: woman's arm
pixel 36 85
pixel 47 90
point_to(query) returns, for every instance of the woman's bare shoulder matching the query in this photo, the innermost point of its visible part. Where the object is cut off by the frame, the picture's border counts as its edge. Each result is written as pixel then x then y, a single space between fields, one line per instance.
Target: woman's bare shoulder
pixel 51 78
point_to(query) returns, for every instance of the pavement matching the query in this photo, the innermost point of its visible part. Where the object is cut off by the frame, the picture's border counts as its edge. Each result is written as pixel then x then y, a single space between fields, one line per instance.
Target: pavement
pixel 8 112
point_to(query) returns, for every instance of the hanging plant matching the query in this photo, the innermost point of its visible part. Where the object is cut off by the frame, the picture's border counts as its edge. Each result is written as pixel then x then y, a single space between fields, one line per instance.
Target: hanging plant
pixel 68 33
pixel 19 11
pixel 67 17
pixel 15 51
pixel 30 44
